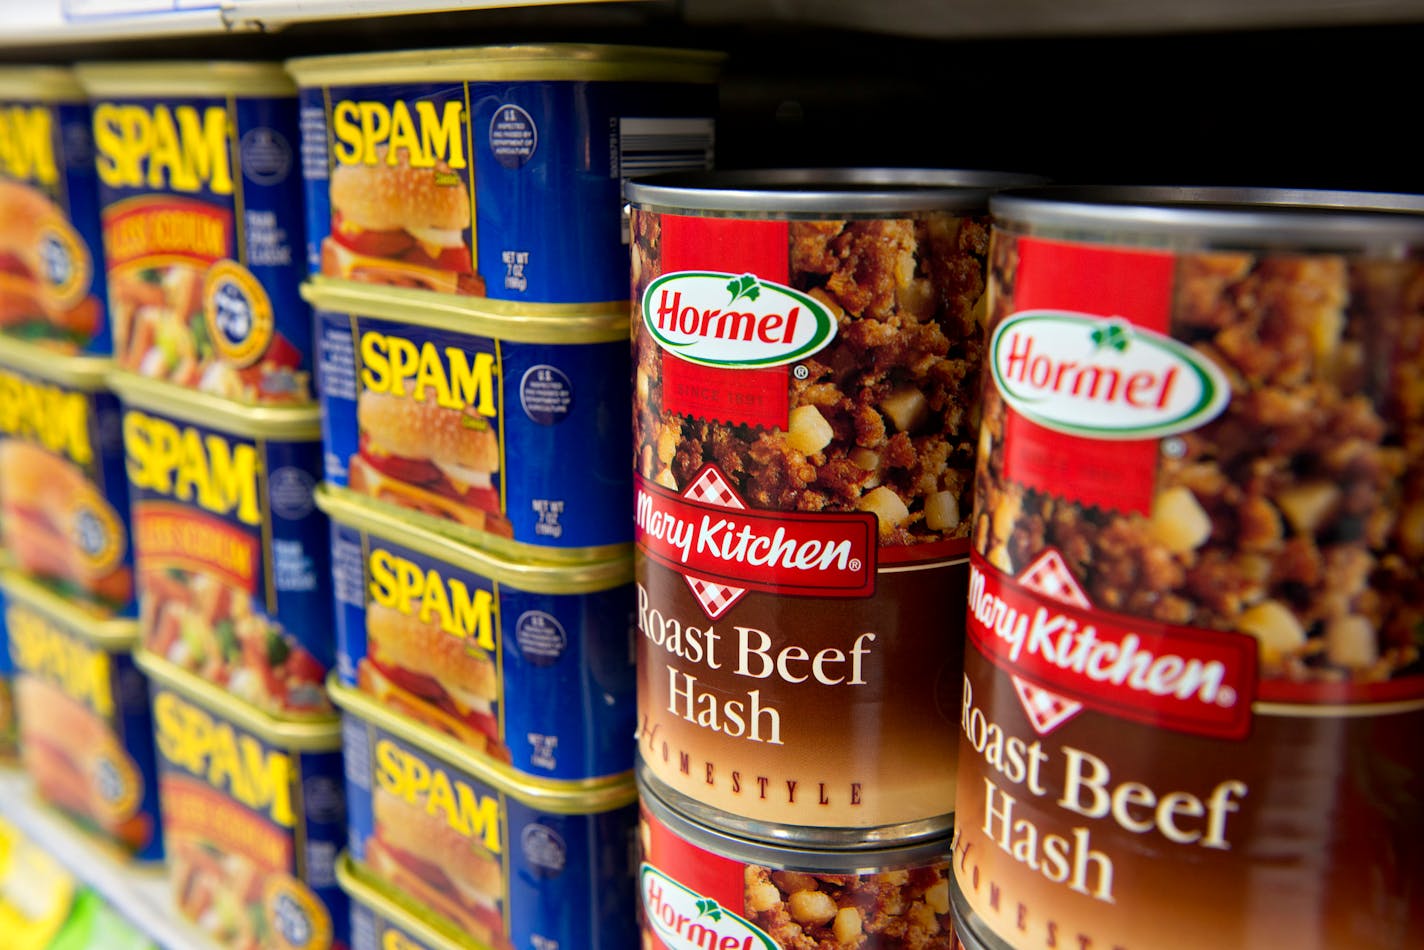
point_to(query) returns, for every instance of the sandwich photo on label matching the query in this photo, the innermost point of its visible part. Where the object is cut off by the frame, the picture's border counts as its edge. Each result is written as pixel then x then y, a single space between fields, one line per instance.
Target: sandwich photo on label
pixel 44 271
pixel 416 852
pixel 423 673
pixel 401 226
pixel 420 455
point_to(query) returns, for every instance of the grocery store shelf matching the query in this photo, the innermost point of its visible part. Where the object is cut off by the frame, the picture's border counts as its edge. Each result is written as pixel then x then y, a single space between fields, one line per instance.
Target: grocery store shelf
pixel 42 24
pixel 139 893
pixel 268 14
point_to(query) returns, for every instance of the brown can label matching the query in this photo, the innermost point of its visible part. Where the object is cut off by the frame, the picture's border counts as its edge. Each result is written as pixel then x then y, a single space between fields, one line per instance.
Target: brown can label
pixel 1194 672
pixel 804 429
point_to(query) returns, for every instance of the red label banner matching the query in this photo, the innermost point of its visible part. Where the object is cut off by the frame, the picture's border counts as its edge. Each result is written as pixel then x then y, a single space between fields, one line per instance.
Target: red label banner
pixel 173 535
pixel 166 227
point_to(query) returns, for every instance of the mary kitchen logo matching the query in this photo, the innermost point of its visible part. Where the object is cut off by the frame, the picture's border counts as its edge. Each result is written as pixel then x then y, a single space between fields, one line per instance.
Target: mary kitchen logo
pixel 734 320
pixel 685 920
pixel 1102 377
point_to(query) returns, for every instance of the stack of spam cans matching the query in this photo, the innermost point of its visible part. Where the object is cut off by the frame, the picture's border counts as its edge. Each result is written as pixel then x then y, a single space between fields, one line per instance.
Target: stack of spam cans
pixel 808 348
pixel 1194 678
pixel 81 705
pixel 199 195
pixel 469 277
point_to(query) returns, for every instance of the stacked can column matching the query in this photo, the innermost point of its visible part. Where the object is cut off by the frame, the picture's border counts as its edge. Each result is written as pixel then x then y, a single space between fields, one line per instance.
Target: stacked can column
pixel 1193 671
pixel 807 351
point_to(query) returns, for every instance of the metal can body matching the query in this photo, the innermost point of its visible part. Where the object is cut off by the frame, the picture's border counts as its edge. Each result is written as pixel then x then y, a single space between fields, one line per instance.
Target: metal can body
pixel 701 887
pixel 64 500
pixel 380 923
pixel 527 666
pixel 254 816
pixel 508 433
pixel 492 172
pixel 232 552
pixel 807 349
pixel 505 864
pixel 1193 663
pixel 200 191
pixel 52 286
pixel 85 730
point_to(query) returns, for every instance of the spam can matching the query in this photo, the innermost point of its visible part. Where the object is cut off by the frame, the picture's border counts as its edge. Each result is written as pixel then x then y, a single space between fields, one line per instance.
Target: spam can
pixel 51 252
pixel 64 502
pixel 507 432
pixel 527 666
pixel 380 921
pixel 201 193
pixel 254 816
pixel 85 730
pixel 700 887
pixel 8 732
pixel 231 550
pixel 494 171
pixel 506 864
pixel 1193 681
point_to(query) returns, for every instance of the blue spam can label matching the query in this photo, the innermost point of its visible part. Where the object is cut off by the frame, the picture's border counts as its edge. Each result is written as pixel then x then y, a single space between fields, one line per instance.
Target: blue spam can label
pixel 507 865
pixel 528 667
pixel 85 729
pixel 201 197
pixel 493 172
pixel 7 690
pixel 234 572
pixel 254 815
pixel 509 436
pixel 64 502
pixel 51 251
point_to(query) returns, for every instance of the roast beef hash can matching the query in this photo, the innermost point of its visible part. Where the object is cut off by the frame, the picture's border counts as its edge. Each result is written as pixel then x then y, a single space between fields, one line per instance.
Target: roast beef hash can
pixel 527 666
pixel 85 731
pixel 253 814
pixel 64 501
pixel 807 348
pixel 702 887
pixel 381 922
pixel 201 197
pixel 493 171
pixel 51 253
pixel 1193 684
pixel 234 568
pixel 508 433
pixel 503 864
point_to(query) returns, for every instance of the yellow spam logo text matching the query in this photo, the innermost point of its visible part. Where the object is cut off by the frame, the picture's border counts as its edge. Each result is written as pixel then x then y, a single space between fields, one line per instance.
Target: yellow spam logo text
pixel 230 761
pixel 46 651
pixel 403 585
pixel 192 466
pixel 27 144
pixel 456 378
pixel 432 790
pixel 180 148
pixel 55 418
pixel 424 132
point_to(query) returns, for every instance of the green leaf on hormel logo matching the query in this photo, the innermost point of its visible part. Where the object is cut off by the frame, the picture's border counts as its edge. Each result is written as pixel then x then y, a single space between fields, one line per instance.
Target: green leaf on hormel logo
pixel 708 907
pixel 1112 334
pixel 744 286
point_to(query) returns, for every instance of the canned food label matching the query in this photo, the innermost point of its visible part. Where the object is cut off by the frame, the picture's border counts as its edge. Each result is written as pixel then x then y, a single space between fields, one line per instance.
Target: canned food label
pixel 86 737
pixel 481 859
pixel 371 930
pixel 7 691
pixel 202 246
pixel 1193 536
pixel 236 579
pixel 486 437
pixel 543 682
pixel 507 190
pixel 251 824
pixel 64 500
pixel 51 279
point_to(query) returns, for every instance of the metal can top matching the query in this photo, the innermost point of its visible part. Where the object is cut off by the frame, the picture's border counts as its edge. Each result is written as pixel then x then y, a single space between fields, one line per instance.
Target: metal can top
pixel 40 83
pixel 1294 218
pixel 184 78
pixel 82 373
pixel 823 192
pixel 542 62
pixel 287 424
pixel 107 634
pixel 351 880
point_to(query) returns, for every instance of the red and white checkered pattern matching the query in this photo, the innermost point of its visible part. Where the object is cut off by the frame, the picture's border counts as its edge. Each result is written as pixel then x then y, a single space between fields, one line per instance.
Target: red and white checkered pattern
pixel 711 487
pixel 1046 711
pixel 1049 576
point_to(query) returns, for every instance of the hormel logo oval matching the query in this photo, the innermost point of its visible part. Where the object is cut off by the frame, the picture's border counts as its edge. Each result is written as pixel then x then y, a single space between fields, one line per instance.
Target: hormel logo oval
pixel 1186 679
pixel 685 920
pixel 734 320
pixel 1102 377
